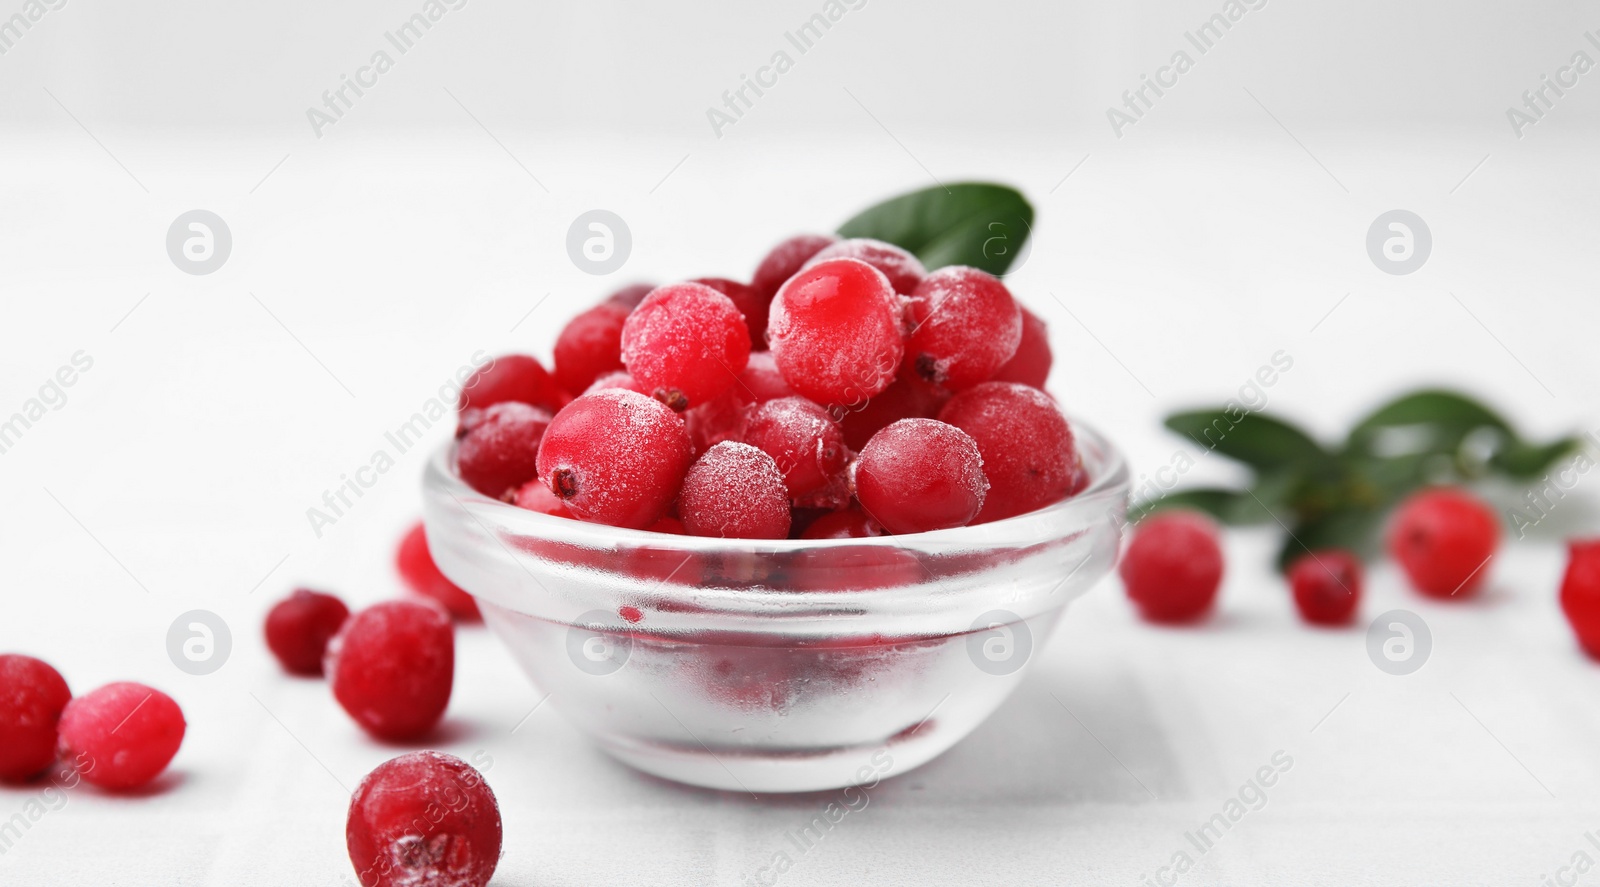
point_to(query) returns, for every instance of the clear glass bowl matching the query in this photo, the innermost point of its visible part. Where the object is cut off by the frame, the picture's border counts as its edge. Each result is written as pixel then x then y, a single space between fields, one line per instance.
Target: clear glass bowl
pixel 774 666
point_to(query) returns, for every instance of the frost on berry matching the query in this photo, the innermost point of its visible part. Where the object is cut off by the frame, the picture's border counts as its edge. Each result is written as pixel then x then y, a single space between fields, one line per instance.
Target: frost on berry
pixel 1027 446
pixel 802 438
pixel 498 451
pixel 785 261
pixel 736 491
pixel 686 343
pixel 1031 364
pixel 615 457
pixel 515 377
pixel 392 667
pixel 964 327
pixel 121 736
pixel 901 268
pixel 919 475
pixel 835 333
pixel 751 303
pixel 426 819
pixel 1173 567
pixel 32 696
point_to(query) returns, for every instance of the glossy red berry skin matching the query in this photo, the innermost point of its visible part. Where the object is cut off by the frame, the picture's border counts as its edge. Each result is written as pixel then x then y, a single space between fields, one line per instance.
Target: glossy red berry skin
pixel 802 438
pixel 32 696
pixel 426 818
pixel 1028 448
pixel 535 496
pixel 1326 586
pixel 964 327
pixel 1031 364
pixel 500 449
pixel 761 381
pixel 902 269
pixel 786 260
pixel 392 667
pixel 590 346
pixel 618 379
pixel 907 398
pixel 835 332
pixel 686 343
pixel 616 457
pixel 846 523
pixel 751 303
pixel 1173 567
pixel 735 491
pixel 1580 594
pixel 299 627
pixel 121 736
pixel 631 295
pixel 515 377
pixel 422 575
pixel 1443 538
pixel 919 475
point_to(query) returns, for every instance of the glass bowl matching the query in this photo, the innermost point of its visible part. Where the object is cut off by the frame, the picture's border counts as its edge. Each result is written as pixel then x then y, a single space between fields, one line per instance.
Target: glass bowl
pixel 775 666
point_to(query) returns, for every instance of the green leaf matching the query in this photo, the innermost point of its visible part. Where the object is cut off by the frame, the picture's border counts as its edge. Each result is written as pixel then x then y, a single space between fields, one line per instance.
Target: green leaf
pixel 1258 440
pixel 970 223
pixel 1235 507
pixel 1527 461
pixel 1438 419
pixel 1352 528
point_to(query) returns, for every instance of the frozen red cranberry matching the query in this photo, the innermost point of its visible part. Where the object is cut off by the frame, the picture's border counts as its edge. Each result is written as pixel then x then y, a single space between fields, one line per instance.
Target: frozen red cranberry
pixel 761 381
pixel 802 438
pixel 686 343
pixel 735 490
pixel 835 332
pixel 631 295
pixel 785 261
pixel 499 451
pixel 669 525
pixel 1173 567
pixel 392 666
pixel 1326 586
pixel 1031 364
pixel 908 398
pixel 616 380
pixel 426 818
pixel 32 695
pixel 920 474
pixel 752 304
pixel 1580 594
pixel 590 346
pixel 724 417
pixel 423 576
pixel 1026 443
pixel 535 496
pixel 964 327
pixel 900 267
pixel 299 628
pixel 511 377
pixel 615 457
pixel 120 736
pixel 846 523
pixel 1443 539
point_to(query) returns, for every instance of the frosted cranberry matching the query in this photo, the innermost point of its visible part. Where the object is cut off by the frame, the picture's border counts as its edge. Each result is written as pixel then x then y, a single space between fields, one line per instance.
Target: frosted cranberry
pixel 1026 443
pixel 669 525
pixel 121 736
pixel 32 695
pixel 785 261
pixel 423 576
pixel 736 491
pixel 426 818
pixel 615 457
pixel 1443 539
pixel 1031 364
pixel 499 450
pixel 835 332
pixel 831 496
pixel 964 327
pixel 1173 567
pixel 847 523
pixel 802 438
pixel 1326 586
pixel 900 267
pixel 616 380
pixel 761 381
pixel 908 398
pixel 631 295
pixel 392 666
pixel 724 417
pixel 1580 594
pixel 686 343
pixel 752 304
pixel 920 474
pixel 299 627
pixel 511 377
pixel 535 496
pixel 590 346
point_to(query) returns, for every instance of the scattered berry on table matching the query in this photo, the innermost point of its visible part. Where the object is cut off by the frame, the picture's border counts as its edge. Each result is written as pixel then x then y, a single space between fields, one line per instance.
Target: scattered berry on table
pixel 835 332
pixel 802 438
pixel 900 267
pixel 590 346
pixel 965 326
pixel 786 260
pixel 1027 446
pixel 615 457
pixel 1580 594
pixel 515 377
pixel 423 576
pixel 1326 586
pixel 299 627
pixel 920 474
pixel 121 736
pixel 392 667
pixel 32 695
pixel 686 343
pixel 1173 567
pixel 1031 364
pixel 1443 538
pixel 499 451
pixel 735 490
pixel 425 818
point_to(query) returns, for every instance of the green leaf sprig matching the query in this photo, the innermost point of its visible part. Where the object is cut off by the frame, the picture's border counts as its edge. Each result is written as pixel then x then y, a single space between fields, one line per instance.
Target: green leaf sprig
pixel 967 223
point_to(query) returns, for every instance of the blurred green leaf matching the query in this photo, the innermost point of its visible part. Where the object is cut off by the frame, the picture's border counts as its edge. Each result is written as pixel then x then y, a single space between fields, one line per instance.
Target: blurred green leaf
pixel 1256 439
pixel 1528 461
pixel 969 223
pixel 1434 420
pixel 1353 529
pixel 1234 507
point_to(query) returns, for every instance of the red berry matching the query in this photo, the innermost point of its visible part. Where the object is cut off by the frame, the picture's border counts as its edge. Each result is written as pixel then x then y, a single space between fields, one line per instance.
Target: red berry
pixel 511 377
pixel 299 628
pixel 686 343
pixel 802 438
pixel 1173 566
pixel 122 735
pixel 631 295
pixel 392 666
pixel 1027 446
pixel 426 818
pixel 964 327
pixel 908 398
pixel 616 380
pixel 615 457
pixel 920 474
pixel 835 332
pixel 1443 539
pixel 724 417
pixel 423 576
pixel 590 346
pixel 1326 586
pixel 535 496
pixel 1580 594
pixel 498 452
pixel 900 267
pixel 736 491
pixel 846 523
pixel 752 304
pixel 1031 364
pixel 32 695
pixel 786 260
pixel 761 380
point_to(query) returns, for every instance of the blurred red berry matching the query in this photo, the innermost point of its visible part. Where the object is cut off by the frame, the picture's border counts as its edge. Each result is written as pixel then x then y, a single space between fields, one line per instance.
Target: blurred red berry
pixel 422 576
pixel 590 346
pixel 1443 539
pixel 122 735
pixel 515 377
pixel 1580 594
pixel 1326 586
pixel 299 627
pixel 1173 567
pixel 32 695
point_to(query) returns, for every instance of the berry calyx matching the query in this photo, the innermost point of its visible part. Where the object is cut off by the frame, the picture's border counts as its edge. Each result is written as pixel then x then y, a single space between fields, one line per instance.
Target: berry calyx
pixel 802 438
pixel 299 628
pixel 121 736
pixel 964 327
pixel 32 697
pixel 615 457
pixel 736 491
pixel 423 576
pixel 902 269
pixel 919 475
pixel 392 667
pixel 1443 539
pixel 835 332
pixel 1173 567
pixel 590 346
pixel 686 343
pixel 1031 364
pixel 426 818
pixel 515 377
pixel 1027 446
pixel 785 261
pixel 499 450
pixel 1327 586
pixel 1580 594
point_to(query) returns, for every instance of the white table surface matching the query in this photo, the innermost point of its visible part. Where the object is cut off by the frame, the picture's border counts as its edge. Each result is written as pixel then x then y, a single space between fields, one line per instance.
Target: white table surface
pixel 367 268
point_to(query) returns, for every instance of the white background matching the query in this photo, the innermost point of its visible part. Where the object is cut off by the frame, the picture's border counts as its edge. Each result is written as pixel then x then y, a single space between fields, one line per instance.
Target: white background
pixel 430 223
